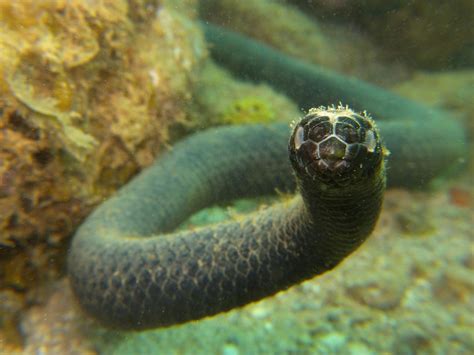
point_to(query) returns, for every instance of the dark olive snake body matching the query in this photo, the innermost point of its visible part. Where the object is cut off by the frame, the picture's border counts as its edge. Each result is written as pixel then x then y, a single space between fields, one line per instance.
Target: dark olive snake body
pixel 129 270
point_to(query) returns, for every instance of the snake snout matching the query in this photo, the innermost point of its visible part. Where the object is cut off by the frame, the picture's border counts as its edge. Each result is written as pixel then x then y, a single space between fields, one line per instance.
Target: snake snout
pixel 334 145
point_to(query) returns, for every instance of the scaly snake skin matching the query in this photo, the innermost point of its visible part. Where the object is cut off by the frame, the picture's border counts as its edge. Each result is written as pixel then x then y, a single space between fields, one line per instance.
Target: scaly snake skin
pixel 129 270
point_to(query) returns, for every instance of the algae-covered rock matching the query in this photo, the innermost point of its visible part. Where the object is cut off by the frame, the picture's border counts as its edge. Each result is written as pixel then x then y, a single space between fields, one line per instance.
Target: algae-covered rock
pixel 221 99
pixel 88 90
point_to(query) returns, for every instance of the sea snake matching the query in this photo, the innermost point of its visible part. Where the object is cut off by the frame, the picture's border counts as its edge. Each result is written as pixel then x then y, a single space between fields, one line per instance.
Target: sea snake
pixel 129 270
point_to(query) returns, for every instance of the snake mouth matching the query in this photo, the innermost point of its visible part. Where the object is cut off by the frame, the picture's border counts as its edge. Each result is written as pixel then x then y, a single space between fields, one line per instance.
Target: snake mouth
pixel 335 145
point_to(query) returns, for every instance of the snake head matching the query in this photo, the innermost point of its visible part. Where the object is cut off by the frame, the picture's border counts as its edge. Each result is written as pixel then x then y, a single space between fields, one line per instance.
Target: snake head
pixel 335 145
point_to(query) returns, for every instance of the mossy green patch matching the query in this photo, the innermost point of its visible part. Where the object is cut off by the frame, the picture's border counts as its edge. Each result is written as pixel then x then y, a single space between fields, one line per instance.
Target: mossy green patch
pixel 249 110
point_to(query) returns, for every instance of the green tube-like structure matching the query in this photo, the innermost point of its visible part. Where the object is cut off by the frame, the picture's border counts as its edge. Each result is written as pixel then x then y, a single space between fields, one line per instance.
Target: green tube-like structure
pixel 422 141
pixel 130 270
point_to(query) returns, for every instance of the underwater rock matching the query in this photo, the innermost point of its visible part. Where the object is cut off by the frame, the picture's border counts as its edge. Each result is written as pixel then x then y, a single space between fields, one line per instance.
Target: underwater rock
pixel 379 291
pixel 56 327
pixel 230 349
pixel 412 340
pixel 88 91
pixel 455 285
pixel 330 343
pixel 11 304
pixel 358 348
pixel 412 219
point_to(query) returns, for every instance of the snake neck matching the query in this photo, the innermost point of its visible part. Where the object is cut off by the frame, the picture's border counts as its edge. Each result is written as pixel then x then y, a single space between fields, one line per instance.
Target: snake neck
pixel 341 218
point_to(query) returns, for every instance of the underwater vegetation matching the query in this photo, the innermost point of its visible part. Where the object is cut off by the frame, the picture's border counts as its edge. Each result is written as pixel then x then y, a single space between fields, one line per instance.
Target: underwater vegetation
pixel 92 92
pixel 87 93
pixel 239 101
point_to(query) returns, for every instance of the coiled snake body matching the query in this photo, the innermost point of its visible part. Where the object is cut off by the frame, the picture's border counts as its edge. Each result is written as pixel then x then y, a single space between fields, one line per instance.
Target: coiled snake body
pixel 129 270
